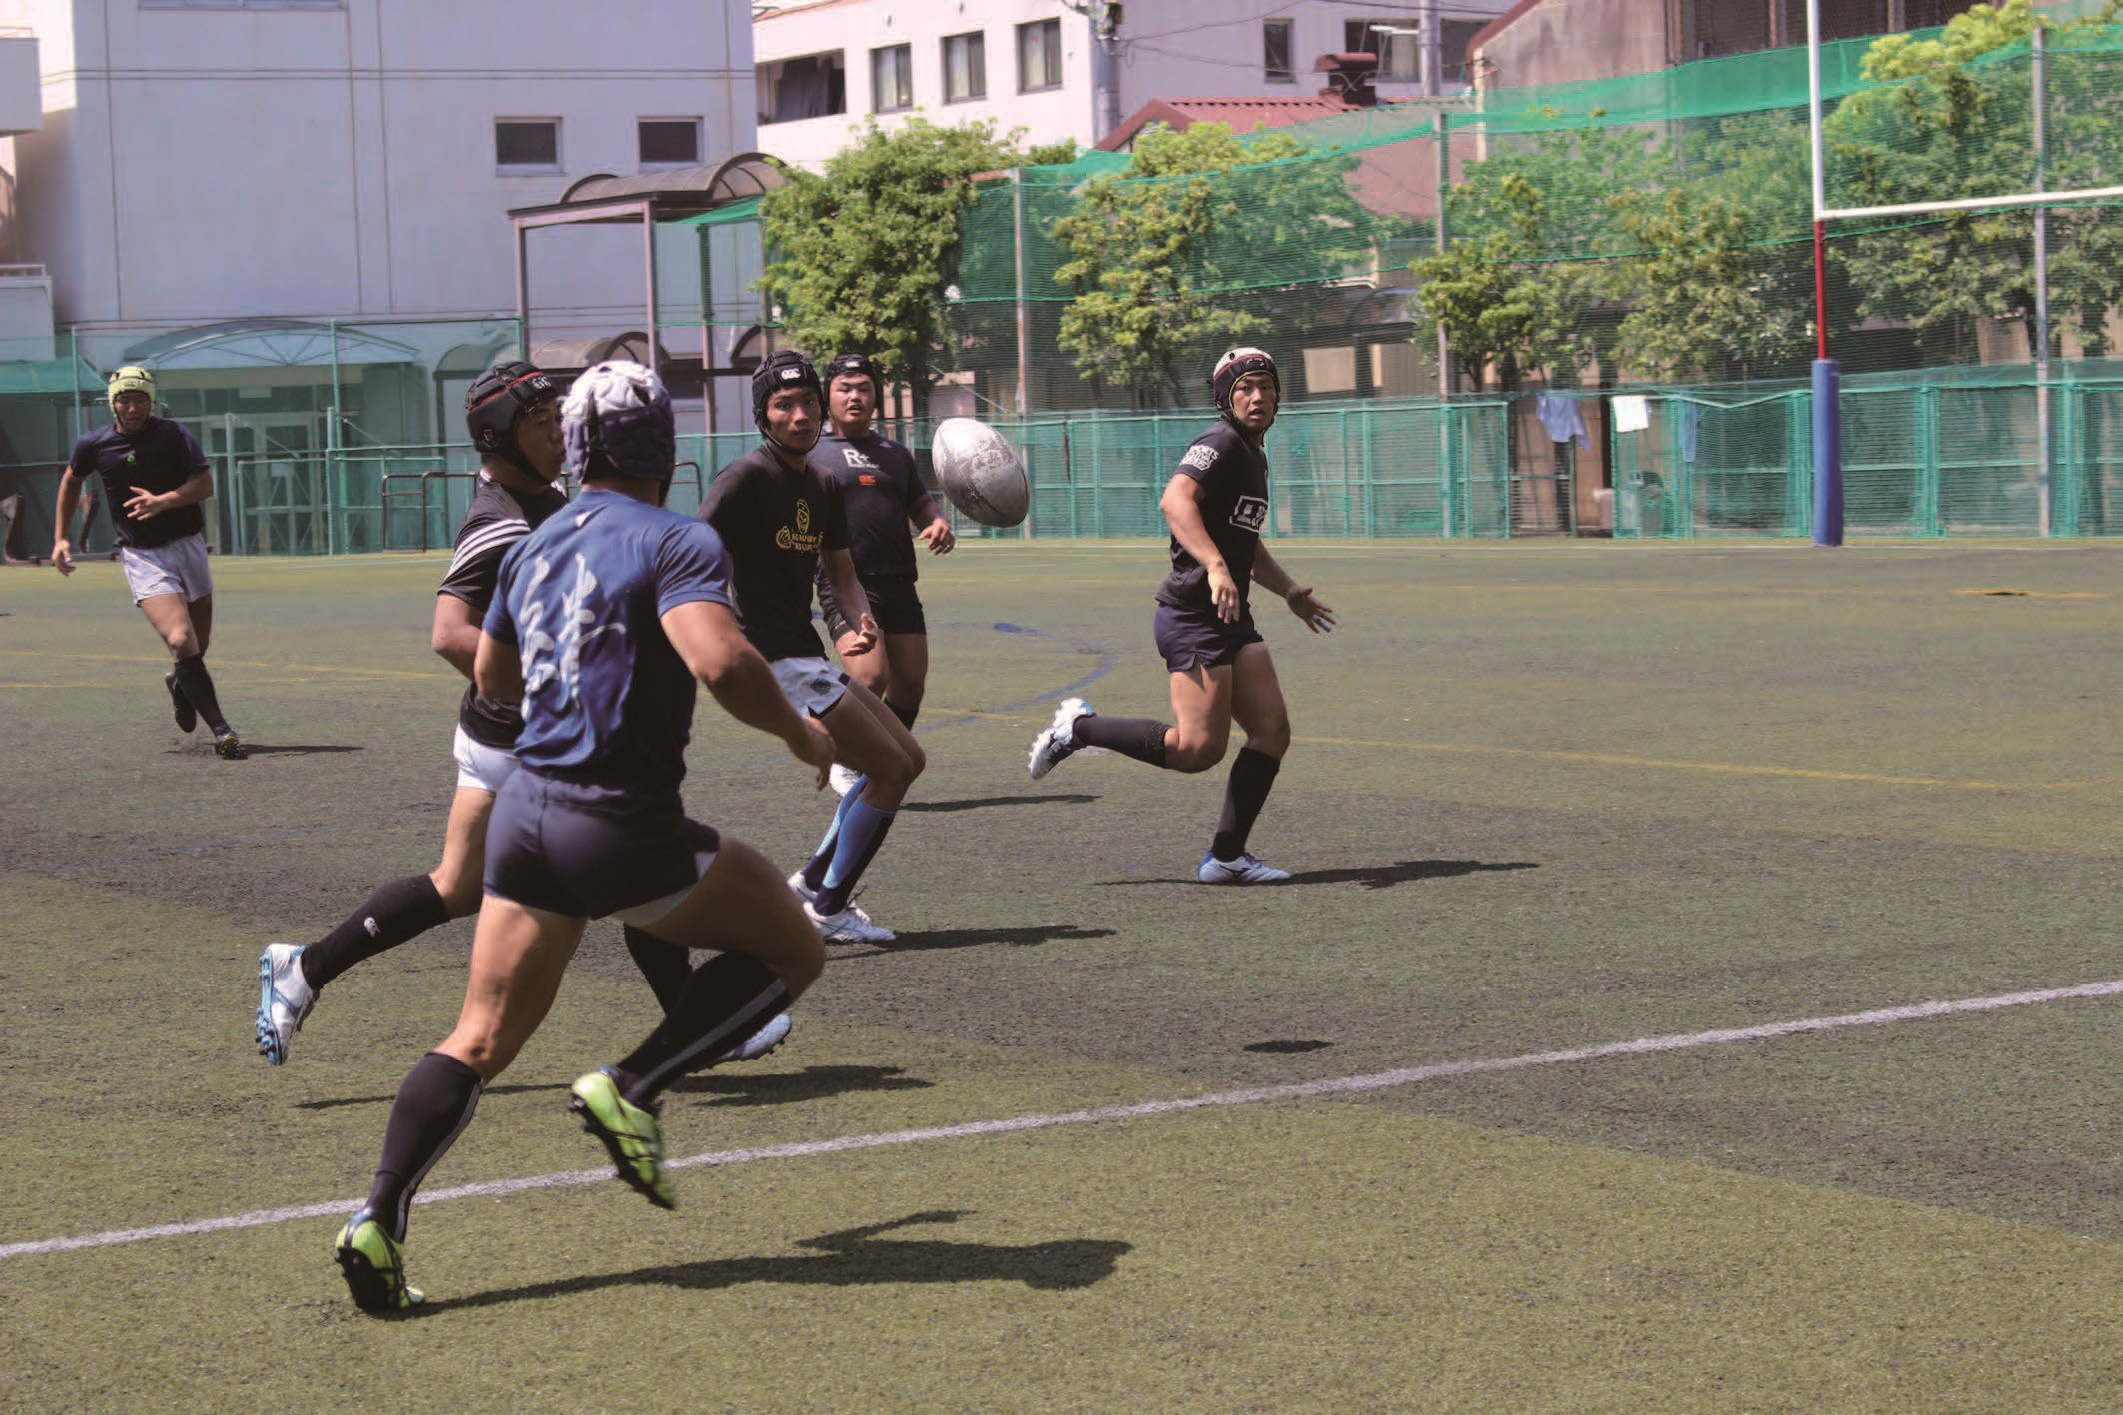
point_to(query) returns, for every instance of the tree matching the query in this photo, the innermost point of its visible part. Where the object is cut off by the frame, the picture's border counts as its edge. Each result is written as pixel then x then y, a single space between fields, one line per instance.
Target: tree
pixel 1158 256
pixel 862 253
pixel 1950 123
pixel 1499 305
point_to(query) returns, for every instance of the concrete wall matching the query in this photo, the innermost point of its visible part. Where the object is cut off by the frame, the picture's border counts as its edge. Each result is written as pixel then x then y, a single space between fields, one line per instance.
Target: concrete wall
pixel 202 165
pixel 1563 41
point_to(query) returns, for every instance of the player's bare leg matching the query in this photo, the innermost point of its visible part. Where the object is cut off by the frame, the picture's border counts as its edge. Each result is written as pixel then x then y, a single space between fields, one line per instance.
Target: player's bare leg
pixel 185 629
pixel 1258 707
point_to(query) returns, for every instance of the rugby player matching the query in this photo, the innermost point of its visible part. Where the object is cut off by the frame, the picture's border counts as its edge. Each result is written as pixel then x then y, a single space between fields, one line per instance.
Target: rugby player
pixel 512 412
pixel 154 477
pixel 604 621
pixel 1215 505
pixel 784 525
pixel 884 500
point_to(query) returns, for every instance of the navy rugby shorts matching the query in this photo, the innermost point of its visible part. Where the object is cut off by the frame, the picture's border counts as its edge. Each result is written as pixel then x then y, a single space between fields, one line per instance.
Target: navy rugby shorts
pixel 893 604
pixel 1196 638
pixel 593 851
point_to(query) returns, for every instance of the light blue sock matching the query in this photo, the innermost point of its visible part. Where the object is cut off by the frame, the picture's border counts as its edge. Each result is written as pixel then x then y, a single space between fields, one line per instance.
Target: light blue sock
pixel 814 870
pixel 860 835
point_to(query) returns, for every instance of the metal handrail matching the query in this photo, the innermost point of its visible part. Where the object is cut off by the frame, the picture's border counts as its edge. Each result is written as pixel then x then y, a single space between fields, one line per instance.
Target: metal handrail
pixel 385 494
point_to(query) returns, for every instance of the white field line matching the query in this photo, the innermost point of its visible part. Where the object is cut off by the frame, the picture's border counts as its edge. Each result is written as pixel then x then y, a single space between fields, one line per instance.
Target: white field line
pixel 1333 1086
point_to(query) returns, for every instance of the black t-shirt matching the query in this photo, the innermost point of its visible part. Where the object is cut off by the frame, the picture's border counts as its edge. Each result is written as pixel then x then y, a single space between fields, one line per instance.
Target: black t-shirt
pixel 1234 479
pixel 879 489
pixel 161 457
pixel 496 520
pixel 775 523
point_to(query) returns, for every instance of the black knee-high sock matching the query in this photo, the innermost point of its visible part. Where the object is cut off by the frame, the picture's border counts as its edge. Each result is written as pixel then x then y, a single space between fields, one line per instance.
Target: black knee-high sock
pixel 727 999
pixel 906 715
pixel 435 1102
pixel 1252 778
pixel 198 685
pixel 401 910
pixel 666 965
pixel 393 915
pixel 1142 738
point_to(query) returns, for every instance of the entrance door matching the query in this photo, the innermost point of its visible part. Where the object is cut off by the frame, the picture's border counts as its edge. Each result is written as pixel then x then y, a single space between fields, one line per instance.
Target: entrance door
pixel 274 482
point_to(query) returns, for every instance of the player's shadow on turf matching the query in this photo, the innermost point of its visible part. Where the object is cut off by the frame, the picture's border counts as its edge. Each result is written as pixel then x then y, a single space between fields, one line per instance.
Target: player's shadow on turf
pixel 924 940
pixel 978 803
pixel 1369 876
pixel 741 1088
pixel 857 1257
pixel 258 749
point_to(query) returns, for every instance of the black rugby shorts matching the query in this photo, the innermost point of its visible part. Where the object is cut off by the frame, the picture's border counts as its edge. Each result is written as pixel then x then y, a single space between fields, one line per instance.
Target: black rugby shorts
pixel 893 604
pixel 591 851
pixel 1196 638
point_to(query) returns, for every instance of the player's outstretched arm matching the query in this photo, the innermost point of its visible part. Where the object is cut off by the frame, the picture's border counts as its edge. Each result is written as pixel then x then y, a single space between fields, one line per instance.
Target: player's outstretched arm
pixel 931 527
pixel 1269 574
pixel 198 487
pixel 714 650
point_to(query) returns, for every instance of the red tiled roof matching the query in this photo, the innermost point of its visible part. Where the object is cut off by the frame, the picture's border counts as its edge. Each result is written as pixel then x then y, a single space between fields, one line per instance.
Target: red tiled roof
pixel 1245 115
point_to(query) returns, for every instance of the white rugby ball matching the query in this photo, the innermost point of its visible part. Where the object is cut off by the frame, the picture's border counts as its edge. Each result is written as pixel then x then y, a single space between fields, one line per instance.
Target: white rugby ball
pixel 980 471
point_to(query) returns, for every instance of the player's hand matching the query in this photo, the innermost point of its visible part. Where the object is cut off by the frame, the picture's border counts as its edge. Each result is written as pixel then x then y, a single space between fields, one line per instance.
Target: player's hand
pixel 937 536
pixel 1317 614
pixel 814 748
pixel 862 640
pixel 63 557
pixel 143 504
pixel 1223 593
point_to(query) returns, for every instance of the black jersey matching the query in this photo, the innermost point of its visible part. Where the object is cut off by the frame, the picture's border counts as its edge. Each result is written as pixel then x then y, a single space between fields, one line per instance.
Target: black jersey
pixel 496 520
pixel 879 490
pixel 161 457
pixel 1234 479
pixel 775 523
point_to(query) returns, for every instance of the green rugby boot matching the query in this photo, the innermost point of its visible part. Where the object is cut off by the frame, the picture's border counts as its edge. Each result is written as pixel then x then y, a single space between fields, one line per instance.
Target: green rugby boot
pixel 374 1265
pixel 630 1134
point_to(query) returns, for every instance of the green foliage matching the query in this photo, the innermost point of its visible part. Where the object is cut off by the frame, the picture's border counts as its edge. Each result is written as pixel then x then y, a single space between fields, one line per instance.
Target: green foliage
pixel 1154 254
pixel 862 253
pixel 1697 302
pixel 1955 125
pixel 1499 303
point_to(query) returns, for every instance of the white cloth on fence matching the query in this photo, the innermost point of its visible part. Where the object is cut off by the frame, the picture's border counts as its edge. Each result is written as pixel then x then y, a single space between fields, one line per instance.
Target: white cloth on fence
pixel 1632 412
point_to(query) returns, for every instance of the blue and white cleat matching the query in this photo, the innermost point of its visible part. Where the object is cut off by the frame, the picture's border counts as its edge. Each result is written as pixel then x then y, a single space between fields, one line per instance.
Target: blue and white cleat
pixel 285 998
pixel 766 1039
pixel 1058 742
pixel 1244 870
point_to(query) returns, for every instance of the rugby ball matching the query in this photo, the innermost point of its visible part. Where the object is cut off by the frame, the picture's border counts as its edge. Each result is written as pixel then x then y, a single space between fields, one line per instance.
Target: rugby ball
pixel 980 471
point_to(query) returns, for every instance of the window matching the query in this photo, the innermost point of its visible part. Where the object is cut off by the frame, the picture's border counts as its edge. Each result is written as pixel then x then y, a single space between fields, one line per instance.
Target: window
pixel 1275 52
pixel 810 86
pixel 1039 58
pixel 669 142
pixel 1459 36
pixel 892 78
pixel 526 145
pixel 1398 46
pixel 243 4
pixel 965 67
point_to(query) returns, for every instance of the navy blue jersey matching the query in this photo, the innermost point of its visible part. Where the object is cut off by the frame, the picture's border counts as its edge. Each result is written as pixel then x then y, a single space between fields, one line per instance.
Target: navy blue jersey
pixel 880 490
pixel 161 457
pixel 606 699
pixel 1234 479
pixel 497 518
pixel 775 523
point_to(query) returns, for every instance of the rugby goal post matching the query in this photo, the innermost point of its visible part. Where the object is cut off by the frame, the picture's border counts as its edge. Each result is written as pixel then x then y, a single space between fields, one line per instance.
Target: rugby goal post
pixel 1827 376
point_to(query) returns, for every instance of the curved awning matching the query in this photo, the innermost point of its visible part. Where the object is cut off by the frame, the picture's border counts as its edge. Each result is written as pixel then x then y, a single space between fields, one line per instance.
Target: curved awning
pixel 267 343
pixel 673 195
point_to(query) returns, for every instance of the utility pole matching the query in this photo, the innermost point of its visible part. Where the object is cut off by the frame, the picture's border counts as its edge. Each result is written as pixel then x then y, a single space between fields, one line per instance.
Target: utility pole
pixel 1105 18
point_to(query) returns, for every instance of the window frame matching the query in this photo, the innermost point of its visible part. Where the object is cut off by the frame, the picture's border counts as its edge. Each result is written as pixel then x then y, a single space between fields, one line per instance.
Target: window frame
pixel 979 44
pixel 506 168
pixel 1269 73
pixel 643 163
pixel 906 74
pixel 1383 45
pixel 1049 31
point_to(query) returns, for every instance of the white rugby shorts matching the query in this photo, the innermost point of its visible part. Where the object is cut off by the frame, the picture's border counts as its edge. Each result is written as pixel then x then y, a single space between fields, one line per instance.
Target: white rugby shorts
pixel 480 767
pixel 177 568
pixel 811 685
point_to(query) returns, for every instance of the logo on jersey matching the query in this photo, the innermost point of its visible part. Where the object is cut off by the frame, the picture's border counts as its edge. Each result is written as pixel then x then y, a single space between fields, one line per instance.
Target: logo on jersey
pixel 857 459
pixel 557 654
pixel 802 538
pixel 1201 456
pixel 866 479
pixel 1250 514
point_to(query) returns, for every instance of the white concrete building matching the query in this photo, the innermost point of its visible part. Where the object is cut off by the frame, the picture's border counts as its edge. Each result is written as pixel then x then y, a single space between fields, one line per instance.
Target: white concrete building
pixel 824 66
pixel 202 161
